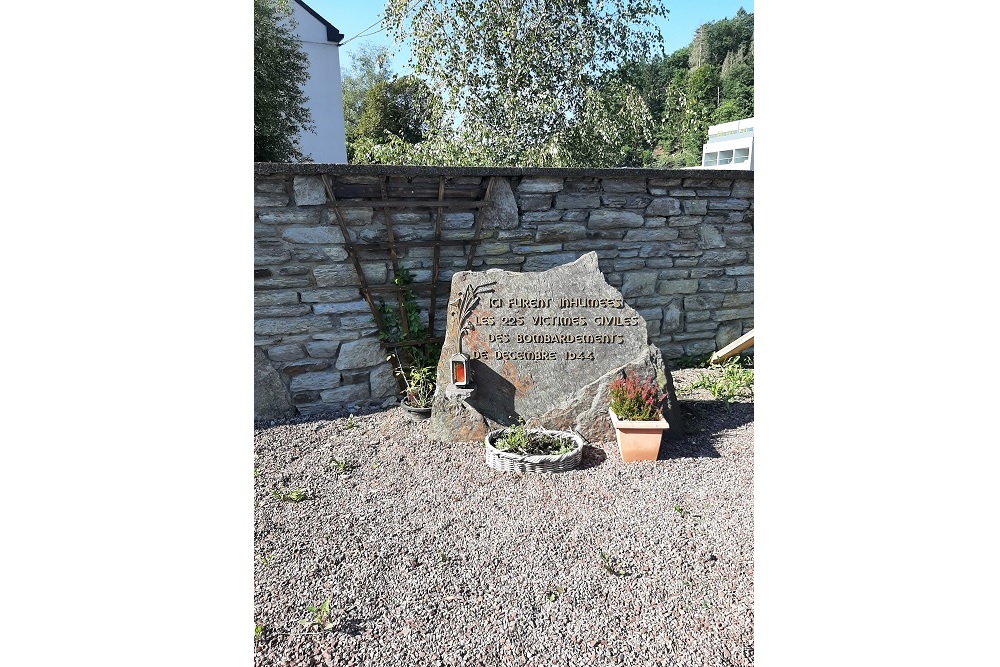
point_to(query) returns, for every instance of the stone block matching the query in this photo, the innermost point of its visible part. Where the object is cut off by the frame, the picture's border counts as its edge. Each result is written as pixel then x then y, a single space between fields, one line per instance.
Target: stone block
pixel 724 314
pixel 290 325
pixel 285 352
pixel 545 262
pixel 270 199
pixel 684 220
pixel 271 399
pixel 665 206
pixel 536 184
pixel 711 237
pixel 567 232
pixel 623 185
pixel 361 353
pixel 694 206
pixel 328 295
pixel 728 204
pixel 308 190
pixel 289 216
pixel 744 284
pixel 275 298
pixel 343 308
pixel 342 275
pixel 589 200
pixel 703 301
pixel 323 349
pixel 727 333
pixel 383 382
pixel 724 257
pixel 535 202
pixel 650 235
pixel 324 235
pixel 717 285
pixel 639 283
pixel 672 287
pixel 612 218
pixel 541 216
pixel 281 311
pixel 315 381
pixel 347 394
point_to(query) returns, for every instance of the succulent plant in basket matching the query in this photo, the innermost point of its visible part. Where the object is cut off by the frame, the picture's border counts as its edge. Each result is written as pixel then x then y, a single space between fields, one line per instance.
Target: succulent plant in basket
pixel 634 407
pixel 518 448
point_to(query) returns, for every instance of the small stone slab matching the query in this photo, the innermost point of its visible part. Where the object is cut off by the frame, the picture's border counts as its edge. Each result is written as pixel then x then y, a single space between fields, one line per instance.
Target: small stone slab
pixel 543 346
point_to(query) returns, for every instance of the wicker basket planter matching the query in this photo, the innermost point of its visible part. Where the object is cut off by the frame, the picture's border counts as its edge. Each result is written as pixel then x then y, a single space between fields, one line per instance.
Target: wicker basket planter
pixel 510 462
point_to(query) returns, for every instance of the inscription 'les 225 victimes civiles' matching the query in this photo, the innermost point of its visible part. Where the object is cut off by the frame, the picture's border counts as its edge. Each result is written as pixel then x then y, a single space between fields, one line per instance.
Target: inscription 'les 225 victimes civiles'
pixel 489 320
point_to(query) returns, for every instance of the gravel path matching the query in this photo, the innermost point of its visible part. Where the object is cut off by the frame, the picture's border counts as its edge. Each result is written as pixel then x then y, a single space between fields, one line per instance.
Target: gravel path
pixel 428 557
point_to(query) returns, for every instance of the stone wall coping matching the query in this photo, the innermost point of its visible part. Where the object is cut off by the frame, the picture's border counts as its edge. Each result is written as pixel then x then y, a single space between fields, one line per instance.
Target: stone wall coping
pixel 307 168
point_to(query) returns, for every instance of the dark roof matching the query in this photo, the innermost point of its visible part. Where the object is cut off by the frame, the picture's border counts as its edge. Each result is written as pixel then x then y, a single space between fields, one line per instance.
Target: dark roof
pixel 332 34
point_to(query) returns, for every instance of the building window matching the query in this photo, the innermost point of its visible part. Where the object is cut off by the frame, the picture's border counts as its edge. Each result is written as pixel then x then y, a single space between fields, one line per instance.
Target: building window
pixel 741 155
pixel 710 160
pixel 725 157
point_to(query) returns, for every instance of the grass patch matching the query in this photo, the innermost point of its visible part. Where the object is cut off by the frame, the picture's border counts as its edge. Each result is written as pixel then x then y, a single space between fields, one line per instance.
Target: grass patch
pixel 731 381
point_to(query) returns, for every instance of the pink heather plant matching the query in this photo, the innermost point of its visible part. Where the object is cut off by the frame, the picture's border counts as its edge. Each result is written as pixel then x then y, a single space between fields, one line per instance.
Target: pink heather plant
pixel 635 400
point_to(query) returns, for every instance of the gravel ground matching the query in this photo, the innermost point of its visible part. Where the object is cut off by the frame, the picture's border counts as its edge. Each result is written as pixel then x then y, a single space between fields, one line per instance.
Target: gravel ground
pixel 429 557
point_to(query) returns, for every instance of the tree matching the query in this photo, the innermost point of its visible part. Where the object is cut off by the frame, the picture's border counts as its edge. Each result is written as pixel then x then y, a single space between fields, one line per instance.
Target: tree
pixel 370 66
pixel 404 108
pixel 515 74
pixel 280 69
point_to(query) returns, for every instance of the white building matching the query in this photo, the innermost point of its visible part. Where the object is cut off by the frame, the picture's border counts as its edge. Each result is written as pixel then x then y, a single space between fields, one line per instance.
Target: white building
pixel 321 44
pixel 729 146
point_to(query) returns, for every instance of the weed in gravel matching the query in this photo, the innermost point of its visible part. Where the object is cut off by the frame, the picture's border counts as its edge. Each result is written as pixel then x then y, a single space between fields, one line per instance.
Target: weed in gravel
pixel 612 565
pixel 733 382
pixel 342 465
pixel 351 423
pixel 266 559
pixel 553 593
pixel 258 632
pixel 291 495
pixel 320 618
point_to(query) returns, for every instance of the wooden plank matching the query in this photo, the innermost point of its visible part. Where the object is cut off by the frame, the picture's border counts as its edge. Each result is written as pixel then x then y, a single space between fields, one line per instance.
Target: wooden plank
pixel 437 255
pixel 737 346
pixel 429 243
pixel 417 203
pixel 354 257
pixel 411 343
pixel 403 320
pixel 479 225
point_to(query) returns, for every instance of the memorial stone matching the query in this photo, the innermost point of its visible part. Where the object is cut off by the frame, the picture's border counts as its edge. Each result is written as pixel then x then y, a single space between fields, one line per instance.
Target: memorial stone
pixel 543 347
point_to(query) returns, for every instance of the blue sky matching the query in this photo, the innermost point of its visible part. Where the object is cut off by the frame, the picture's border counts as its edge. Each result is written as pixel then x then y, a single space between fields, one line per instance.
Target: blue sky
pixel 355 18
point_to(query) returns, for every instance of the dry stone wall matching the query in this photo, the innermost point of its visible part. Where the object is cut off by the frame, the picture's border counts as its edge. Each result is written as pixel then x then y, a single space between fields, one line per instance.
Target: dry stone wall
pixel 678 244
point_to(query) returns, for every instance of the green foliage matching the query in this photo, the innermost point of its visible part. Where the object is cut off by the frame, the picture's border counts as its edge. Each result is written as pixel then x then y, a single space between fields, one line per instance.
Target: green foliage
pixel 344 465
pixel 291 495
pixel 420 381
pixel 518 439
pixel 258 632
pixel 632 399
pixel 515 78
pixel 370 66
pixel 402 108
pixel 280 69
pixel 415 356
pixel 319 617
pixel 734 380
pixel 554 592
pixel 612 565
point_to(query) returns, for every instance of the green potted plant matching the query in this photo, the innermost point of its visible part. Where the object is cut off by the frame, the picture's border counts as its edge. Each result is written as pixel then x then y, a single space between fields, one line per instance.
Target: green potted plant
pixel 518 448
pixel 635 414
pixel 418 395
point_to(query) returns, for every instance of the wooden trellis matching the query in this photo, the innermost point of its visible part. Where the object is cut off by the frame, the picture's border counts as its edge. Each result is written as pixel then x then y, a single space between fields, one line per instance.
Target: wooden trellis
pixel 438 206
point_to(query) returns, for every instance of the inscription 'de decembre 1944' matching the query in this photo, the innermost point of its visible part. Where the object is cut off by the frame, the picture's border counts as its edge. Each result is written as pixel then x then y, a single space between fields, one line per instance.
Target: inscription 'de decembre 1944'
pixel 568 326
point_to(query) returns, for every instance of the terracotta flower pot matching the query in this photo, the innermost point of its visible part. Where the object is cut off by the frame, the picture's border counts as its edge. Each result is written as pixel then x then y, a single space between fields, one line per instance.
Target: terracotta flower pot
pixel 638 440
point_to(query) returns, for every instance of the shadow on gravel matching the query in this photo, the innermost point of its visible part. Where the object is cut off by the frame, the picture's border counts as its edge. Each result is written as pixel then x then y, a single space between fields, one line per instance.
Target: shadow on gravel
pixel 703 421
pixel 591 457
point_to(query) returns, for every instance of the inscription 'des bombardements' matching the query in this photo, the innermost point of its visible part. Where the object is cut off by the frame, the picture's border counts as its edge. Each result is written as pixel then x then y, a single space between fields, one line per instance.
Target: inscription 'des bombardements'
pixel 508 329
